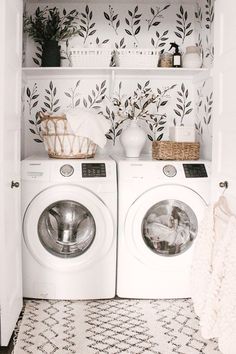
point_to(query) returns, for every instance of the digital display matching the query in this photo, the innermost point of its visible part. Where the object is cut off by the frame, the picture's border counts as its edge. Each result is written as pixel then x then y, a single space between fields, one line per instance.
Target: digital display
pixel 93 170
pixel 194 170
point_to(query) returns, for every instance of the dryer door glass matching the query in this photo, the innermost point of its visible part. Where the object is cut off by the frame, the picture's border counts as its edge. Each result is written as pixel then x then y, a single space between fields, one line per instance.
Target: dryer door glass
pixel 66 228
pixel 169 227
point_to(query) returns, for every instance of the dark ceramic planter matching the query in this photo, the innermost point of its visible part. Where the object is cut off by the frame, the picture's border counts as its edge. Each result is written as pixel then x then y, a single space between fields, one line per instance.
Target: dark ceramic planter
pixel 51 54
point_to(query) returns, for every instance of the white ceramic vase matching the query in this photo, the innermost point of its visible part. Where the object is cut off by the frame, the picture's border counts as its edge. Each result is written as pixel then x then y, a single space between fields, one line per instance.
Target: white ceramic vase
pixel 133 139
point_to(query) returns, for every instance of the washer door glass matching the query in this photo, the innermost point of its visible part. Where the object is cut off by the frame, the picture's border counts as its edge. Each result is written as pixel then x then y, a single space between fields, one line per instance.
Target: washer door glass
pixel 66 228
pixel 169 227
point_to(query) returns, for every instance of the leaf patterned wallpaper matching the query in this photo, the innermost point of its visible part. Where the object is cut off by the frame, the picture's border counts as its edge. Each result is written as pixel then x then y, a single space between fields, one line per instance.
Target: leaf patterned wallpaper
pixel 180 102
pixel 143 25
pixel 203 115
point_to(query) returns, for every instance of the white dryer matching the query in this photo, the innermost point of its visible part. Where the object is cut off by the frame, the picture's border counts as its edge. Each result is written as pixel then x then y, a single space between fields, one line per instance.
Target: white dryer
pixel 160 206
pixel 69 228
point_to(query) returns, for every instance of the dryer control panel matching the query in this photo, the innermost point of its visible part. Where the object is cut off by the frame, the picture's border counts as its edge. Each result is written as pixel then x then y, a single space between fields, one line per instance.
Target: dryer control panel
pixel 194 170
pixel 93 170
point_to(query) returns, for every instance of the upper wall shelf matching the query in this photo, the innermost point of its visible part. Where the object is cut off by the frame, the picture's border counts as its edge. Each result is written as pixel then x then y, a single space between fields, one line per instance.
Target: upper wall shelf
pixel 44 73
pixel 112 1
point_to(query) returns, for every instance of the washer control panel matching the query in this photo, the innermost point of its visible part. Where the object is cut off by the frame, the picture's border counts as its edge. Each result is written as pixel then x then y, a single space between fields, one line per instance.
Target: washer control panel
pixel 194 170
pixel 66 170
pixel 93 170
pixel 169 170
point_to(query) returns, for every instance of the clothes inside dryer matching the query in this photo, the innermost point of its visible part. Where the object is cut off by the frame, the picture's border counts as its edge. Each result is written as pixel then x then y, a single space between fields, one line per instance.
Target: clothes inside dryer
pixel 169 227
pixel 66 228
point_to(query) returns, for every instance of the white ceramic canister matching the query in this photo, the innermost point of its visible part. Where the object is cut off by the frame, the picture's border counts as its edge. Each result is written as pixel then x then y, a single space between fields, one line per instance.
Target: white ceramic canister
pixel 192 58
pixel 133 139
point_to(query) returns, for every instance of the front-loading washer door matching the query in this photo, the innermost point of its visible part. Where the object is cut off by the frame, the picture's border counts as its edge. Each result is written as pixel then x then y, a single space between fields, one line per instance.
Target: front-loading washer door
pixel 162 223
pixel 67 226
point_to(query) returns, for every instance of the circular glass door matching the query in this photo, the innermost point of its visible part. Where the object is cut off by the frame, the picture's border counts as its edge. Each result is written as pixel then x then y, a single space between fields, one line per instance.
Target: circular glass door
pixel 161 226
pixel 70 232
pixel 66 228
pixel 169 227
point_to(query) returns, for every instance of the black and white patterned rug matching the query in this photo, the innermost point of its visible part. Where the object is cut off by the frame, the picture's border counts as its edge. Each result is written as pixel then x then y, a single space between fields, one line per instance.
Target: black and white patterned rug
pixel 111 327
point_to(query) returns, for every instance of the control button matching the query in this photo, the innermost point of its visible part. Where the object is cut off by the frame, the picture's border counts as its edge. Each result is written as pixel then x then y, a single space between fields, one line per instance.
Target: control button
pixel 169 170
pixel 66 170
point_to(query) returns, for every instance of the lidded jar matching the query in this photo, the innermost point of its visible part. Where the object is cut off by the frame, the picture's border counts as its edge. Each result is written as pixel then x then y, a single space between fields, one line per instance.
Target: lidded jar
pixel 192 58
pixel 166 60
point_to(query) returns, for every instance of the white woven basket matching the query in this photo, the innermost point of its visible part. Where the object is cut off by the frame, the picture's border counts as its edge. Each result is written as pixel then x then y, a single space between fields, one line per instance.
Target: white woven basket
pixel 90 57
pixel 60 142
pixel 137 58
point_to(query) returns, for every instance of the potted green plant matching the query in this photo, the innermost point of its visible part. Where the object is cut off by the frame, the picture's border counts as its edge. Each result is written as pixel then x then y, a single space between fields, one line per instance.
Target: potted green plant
pixel 47 27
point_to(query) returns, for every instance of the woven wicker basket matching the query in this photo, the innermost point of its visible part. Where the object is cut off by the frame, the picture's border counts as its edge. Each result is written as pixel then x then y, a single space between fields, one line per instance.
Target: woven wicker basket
pixel 61 143
pixel 170 150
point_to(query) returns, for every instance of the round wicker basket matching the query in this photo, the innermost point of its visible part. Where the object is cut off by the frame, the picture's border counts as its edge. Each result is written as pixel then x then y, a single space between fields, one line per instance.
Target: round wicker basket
pixel 60 142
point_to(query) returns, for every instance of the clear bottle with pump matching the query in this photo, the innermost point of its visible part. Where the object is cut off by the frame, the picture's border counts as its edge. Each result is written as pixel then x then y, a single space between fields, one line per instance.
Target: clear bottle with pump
pixel 177 57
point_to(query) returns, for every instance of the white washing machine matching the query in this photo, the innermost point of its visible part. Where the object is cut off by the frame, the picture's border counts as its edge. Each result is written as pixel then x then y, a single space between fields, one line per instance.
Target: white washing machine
pixel 160 206
pixel 69 228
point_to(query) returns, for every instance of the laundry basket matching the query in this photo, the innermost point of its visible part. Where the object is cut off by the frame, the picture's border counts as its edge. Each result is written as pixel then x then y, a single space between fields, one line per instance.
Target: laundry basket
pixel 60 142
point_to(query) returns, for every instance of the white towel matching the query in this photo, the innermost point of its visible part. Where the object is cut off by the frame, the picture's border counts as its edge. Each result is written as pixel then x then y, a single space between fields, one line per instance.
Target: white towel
pixel 214 276
pixel 88 124
pixel 202 261
pixel 227 317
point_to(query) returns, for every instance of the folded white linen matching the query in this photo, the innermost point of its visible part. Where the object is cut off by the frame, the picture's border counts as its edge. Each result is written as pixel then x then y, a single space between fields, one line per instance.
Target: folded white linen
pixel 88 124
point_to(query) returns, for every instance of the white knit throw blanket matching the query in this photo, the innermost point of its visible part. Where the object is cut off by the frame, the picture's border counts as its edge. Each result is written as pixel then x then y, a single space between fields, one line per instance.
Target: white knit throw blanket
pixel 214 276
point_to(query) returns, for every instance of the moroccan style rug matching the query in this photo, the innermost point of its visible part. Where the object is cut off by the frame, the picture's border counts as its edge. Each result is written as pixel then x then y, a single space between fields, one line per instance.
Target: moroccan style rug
pixel 111 327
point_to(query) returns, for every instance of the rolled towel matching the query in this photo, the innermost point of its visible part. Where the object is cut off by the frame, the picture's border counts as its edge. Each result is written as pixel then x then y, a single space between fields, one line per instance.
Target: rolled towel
pixel 88 124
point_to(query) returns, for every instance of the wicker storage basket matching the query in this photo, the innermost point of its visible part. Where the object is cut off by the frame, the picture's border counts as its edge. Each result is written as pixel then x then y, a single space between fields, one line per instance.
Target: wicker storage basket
pixel 170 150
pixel 137 58
pixel 90 57
pixel 61 143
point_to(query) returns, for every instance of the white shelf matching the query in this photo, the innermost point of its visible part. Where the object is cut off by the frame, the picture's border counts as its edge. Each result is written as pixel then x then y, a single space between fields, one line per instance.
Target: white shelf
pixel 43 73
pixel 112 1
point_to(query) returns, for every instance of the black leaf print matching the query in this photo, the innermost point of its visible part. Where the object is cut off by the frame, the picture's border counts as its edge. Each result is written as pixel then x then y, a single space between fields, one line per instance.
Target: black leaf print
pixel 183 104
pixel 38 54
pixel 133 23
pixel 99 42
pixel 183 27
pixel 209 13
pixel 73 95
pixel 156 14
pixel 208 106
pixel 96 97
pixel 157 121
pixel 86 29
pixel 209 50
pixel 112 18
pixel 161 40
pixel 32 97
pixel 37 129
pixel 199 15
pixel 115 129
pixel 51 107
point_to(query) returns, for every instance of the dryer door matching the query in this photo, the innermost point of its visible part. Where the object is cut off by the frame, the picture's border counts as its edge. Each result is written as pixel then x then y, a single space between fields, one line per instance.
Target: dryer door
pixel 163 223
pixel 69 223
